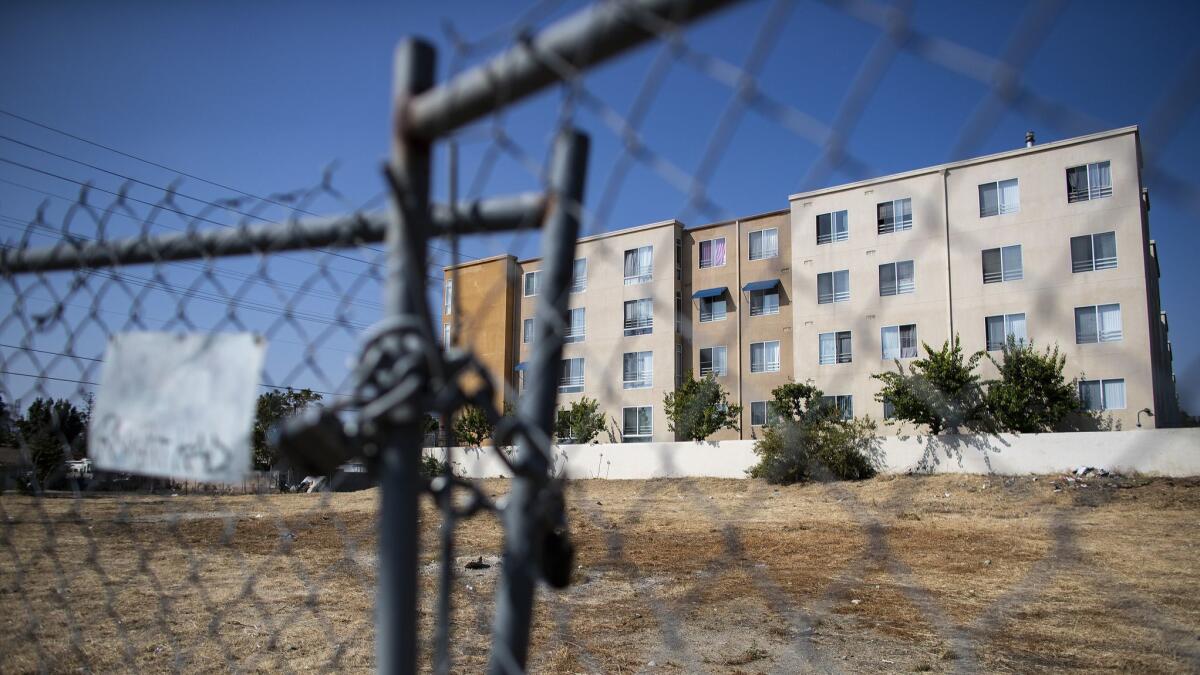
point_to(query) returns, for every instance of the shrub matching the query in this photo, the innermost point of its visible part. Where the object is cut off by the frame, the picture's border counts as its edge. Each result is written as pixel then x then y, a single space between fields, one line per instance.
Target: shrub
pixel 1031 395
pixel 698 409
pixel 810 440
pixel 471 427
pixel 941 391
pixel 581 422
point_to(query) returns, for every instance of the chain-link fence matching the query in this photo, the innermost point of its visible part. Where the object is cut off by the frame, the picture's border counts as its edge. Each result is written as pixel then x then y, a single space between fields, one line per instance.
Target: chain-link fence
pixel 107 571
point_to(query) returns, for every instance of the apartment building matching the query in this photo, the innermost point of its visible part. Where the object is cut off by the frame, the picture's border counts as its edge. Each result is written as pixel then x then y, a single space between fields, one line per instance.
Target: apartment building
pixel 1048 243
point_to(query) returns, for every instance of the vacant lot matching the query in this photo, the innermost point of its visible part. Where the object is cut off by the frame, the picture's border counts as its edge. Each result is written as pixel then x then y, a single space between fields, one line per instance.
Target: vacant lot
pixel 945 573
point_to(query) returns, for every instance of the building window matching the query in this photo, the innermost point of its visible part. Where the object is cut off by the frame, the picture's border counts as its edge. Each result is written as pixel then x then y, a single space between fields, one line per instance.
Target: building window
pixel 1097 323
pixel 1092 252
pixel 712 309
pixel 639 265
pixel 636 426
pixel 449 305
pixel 764 357
pixel 533 282
pixel 899 342
pixel 639 317
pixel 897 278
pixel 527 331
pixel 445 335
pixel 579 276
pixel 764 244
pixel 1002 264
pixel 833 227
pixel 895 215
pixel 834 347
pixel 1102 394
pixel 833 287
pixel 520 377
pixel 999 198
pixel 712 253
pixel 1001 327
pixel 572 376
pixel 713 361
pixel 764 302
pixel 576 329
pixel 1090 181
pixel 678 364
pixel 762 413
pixel 638 370
pixel 889 409
pixel 678 259
pixel 843 402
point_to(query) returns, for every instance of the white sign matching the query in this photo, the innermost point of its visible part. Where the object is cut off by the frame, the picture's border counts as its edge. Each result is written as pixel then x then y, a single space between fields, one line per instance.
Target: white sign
pixel 177 406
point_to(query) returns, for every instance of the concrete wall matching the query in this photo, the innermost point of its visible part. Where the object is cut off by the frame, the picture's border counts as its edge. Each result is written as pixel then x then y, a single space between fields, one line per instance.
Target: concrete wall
pixel 1167 452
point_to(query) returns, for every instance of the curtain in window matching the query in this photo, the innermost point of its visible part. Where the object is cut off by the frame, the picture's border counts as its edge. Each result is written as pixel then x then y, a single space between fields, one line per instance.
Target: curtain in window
pixel 770 242
pixel 771 352
pixel 841 285
pixel 843 347
pixel 631 263
pixel 758 413
pixel 1077 184
pixel 905 282
pixel 887 279
pixel 1099 180
pixel 908 341
pixel 718 360
pixel 1090 394
pixel 841 226
pixel 1105 250
pixel 579 275
pixel 770 302
pixel 718 252
pixel 995 332
pixel 1012 262
pixel 903 214
pixel 1114 394
pixel 887 219
pixel 989 200
pixel 645 260
pixel 1110 322
pixel 1081 254
pixel 1010 196
pixel 575 331
pixel 890 337
pixel 828 346
pixel 991 266
pixel 824 288
pixel 1016 327
pixel 1085 325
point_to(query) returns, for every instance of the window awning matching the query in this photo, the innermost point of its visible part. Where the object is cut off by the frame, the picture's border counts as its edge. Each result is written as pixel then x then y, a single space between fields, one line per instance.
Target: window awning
pixel 761 285
pixel 520 366
pixel 709 293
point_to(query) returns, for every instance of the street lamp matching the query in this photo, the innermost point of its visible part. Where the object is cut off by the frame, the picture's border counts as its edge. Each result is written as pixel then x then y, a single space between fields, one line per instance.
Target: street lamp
pixel 1139 416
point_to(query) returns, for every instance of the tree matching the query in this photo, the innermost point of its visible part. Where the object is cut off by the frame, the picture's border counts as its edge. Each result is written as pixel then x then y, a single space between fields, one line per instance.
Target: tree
pixel 54 431
pixel 471 427
pixel 272 408
pixel 941 391
pixel 580 422
pixel 698 409
pixel 8 436
pixel 810 440
pixel 1031 394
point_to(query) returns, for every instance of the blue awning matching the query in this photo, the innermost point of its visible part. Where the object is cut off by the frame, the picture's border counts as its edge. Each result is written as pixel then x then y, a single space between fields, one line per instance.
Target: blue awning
pixel 761 285
pixel 709 293
pixel 520 366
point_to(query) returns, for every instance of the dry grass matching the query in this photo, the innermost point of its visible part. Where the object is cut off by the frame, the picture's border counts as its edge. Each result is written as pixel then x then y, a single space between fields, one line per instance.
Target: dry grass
pixel 942 573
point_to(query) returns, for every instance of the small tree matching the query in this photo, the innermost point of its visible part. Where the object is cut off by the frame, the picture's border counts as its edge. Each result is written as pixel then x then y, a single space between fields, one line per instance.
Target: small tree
pixel 941 391
pixel 1031 394
pixel 54 431
pixel 471 427
pixel 698 409
pixel 810 440
pixel 580 422
pixel 272 408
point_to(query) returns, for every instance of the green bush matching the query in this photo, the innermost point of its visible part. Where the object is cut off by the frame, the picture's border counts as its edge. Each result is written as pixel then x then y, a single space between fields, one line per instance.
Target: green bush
pixel 700 408
pixel 580 422
pixel 1031 394
pixel 810 440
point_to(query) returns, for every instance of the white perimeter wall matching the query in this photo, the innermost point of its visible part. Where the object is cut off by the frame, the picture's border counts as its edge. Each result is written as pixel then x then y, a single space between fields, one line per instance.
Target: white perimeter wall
pixel 1167 452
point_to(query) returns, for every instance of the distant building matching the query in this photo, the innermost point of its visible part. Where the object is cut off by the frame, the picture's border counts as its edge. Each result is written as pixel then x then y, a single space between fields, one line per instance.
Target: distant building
pixel 1048 243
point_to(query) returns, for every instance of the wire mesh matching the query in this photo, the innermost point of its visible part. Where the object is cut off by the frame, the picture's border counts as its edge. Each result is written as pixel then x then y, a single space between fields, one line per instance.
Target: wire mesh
pixel 688 575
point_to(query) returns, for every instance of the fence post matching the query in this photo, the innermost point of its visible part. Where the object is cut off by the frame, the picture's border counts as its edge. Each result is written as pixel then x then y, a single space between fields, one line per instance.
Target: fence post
pixel 400 452
pixel 524 520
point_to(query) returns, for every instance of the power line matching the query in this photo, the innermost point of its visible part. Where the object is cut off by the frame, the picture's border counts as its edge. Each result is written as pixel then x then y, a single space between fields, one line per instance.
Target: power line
pixel 164 167
pixel 97 384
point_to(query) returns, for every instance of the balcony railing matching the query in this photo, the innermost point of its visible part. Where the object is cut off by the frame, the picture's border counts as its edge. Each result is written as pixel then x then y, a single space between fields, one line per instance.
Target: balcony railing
pixel 639 381
pixel 643 326
pixel 570 384
pixel 640 276
pixel 1084 194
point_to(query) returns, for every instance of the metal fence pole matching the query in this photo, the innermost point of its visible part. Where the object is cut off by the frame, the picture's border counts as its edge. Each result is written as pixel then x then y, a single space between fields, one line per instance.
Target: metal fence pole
pixel 399 473
pixel 525 522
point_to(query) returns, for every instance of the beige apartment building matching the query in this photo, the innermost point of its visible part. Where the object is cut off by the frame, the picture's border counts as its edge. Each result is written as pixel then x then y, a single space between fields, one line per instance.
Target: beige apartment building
pixel 1048 243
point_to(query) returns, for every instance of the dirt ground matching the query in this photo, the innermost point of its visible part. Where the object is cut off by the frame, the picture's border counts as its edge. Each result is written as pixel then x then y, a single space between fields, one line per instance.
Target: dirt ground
pixel 895 574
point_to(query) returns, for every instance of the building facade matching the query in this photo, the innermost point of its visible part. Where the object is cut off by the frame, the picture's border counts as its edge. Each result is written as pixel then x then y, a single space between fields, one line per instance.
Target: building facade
pixel 1046 243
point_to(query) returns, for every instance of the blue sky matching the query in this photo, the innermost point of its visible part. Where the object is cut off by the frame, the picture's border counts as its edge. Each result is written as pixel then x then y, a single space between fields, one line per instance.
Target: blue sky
pixel 264 96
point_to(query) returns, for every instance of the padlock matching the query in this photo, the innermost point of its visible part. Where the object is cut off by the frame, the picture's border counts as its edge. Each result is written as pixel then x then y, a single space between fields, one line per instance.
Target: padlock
pixel 558 558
